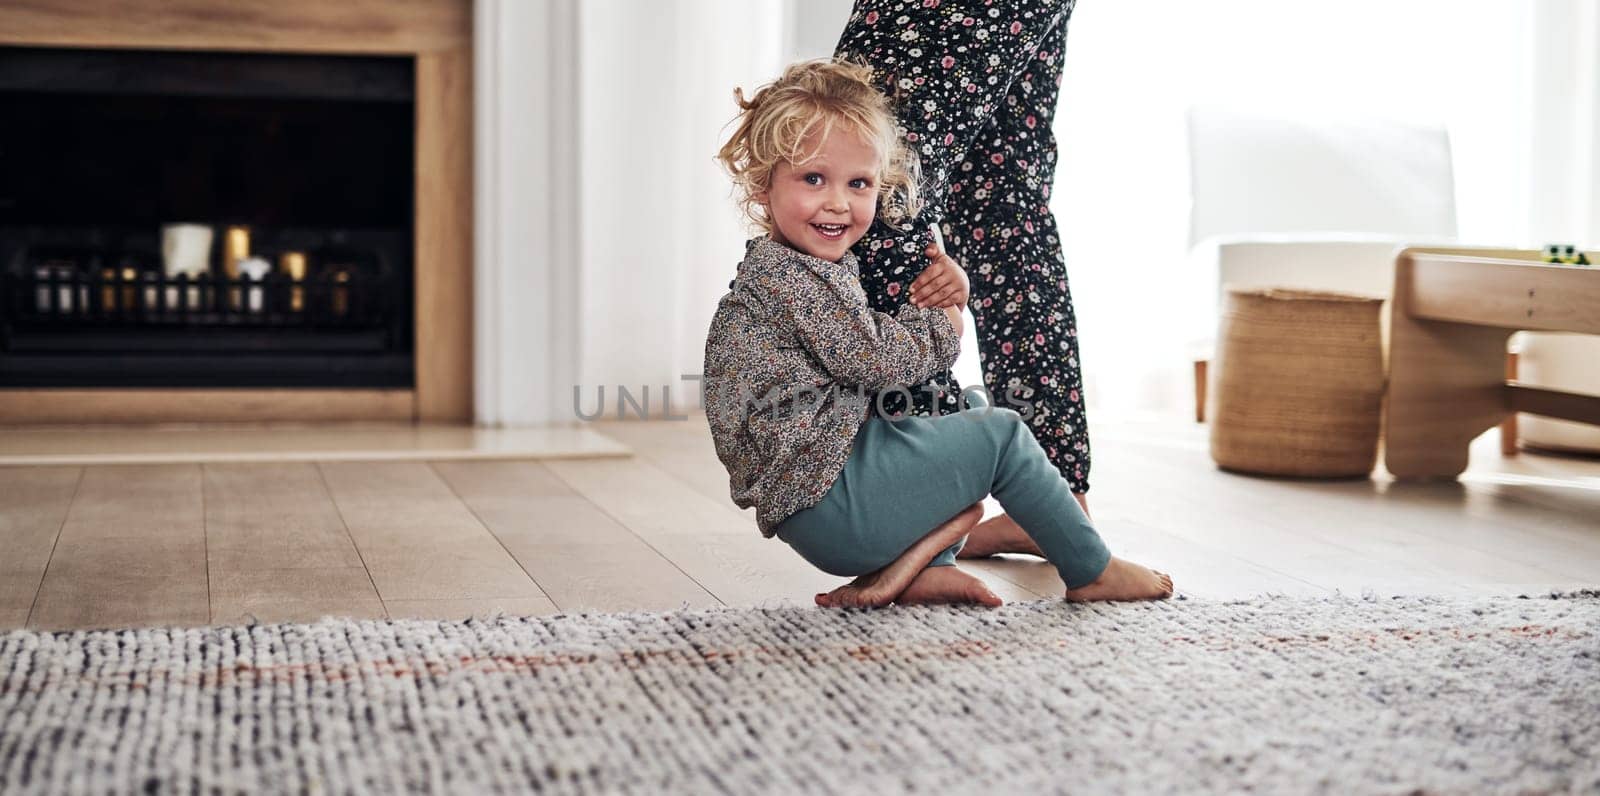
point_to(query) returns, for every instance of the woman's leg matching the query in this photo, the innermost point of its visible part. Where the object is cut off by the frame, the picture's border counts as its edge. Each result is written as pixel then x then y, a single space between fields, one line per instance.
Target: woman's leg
pixel 948 68
pixel 1000 226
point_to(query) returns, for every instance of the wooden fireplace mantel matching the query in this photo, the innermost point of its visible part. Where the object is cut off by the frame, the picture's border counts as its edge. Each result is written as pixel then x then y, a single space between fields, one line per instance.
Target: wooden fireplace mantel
pixel 439 34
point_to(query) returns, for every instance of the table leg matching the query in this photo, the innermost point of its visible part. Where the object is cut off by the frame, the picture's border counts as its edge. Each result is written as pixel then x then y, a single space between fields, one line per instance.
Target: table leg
pixel 1508 426
pixel 1446 386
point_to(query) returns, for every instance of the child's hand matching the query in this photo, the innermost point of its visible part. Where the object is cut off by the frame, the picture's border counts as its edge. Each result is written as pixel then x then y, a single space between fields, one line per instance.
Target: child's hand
pixel 942 284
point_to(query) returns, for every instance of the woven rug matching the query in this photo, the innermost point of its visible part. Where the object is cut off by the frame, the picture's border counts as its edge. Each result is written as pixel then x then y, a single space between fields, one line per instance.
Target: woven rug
pixel 1347 695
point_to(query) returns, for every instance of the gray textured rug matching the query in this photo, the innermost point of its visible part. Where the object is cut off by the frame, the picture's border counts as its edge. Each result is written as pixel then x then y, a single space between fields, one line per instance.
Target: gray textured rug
pixel 1274 695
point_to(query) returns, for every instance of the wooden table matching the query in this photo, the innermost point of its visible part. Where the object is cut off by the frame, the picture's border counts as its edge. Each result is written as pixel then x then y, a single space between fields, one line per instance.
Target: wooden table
pixel 1452 313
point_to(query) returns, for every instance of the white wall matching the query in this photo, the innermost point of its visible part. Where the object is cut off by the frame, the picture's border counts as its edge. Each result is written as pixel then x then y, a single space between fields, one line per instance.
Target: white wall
pixel 1563 106
pixel 660 240
pixel 811 28
pixel 524 212
pixel 605 230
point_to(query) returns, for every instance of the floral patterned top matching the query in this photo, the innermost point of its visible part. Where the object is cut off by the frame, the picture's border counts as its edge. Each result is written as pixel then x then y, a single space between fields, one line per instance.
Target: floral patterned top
pixel 793 360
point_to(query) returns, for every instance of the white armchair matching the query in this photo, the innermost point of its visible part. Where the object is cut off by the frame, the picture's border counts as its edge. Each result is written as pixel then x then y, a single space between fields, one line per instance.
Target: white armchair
pixel 1254 174
pixel 1311 204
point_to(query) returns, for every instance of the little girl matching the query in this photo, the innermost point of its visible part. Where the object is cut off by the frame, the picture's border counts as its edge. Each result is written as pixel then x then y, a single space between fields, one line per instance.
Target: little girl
pixel 795 358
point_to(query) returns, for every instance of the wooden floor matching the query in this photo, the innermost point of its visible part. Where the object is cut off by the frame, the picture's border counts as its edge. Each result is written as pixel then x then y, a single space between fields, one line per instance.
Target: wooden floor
pixel 190 544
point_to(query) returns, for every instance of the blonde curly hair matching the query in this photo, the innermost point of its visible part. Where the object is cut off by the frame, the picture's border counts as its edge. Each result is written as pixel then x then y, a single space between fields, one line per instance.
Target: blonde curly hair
pixel 821 95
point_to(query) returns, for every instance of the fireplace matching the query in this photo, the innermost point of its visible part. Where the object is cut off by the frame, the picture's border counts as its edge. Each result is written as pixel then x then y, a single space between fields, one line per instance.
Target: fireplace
pixel 205 219
pixel 249 210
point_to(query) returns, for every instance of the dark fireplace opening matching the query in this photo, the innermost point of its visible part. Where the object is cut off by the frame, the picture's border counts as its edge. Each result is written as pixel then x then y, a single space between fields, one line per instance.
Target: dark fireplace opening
pixel 198 219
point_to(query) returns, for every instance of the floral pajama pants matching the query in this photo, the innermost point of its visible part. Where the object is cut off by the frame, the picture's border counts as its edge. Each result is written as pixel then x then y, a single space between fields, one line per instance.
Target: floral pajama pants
pixel 975 86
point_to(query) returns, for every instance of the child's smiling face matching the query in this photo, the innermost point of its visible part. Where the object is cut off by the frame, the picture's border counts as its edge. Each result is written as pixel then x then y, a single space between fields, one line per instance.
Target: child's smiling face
pixel 825 205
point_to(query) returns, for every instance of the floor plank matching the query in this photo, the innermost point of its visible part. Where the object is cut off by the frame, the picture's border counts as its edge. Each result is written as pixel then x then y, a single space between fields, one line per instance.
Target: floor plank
pixel 1355 536
pixel 1011 577
pixel 583 558
pixel 417 539
pixel 482 608
pixel 131 552
pixel 712 542
pixel 301 594
pixel 680 447
pixel 33 505
pixel 1198 568
pixel 272 517
pixel 277 442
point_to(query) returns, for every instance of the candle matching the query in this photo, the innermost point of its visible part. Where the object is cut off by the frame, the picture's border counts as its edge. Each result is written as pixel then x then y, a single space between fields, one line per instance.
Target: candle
pixel 294 264
pixel 254 269
pixel 186 249
pixel 65 274
pixel 152 299
pixel 108 290
pixel 235 249
pixel 341 294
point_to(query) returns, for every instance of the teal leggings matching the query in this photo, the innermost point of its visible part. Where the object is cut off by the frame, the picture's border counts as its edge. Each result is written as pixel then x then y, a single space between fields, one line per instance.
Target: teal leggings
pixel 906 477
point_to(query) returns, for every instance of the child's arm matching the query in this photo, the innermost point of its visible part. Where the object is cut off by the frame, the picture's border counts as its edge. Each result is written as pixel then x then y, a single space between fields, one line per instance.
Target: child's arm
pixel 828 312
pixel 954 314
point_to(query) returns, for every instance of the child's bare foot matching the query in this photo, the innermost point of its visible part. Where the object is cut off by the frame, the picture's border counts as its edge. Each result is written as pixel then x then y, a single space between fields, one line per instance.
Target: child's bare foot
pixel 998 534
pixel 941 585
pixel 881 587
pixel 1124 580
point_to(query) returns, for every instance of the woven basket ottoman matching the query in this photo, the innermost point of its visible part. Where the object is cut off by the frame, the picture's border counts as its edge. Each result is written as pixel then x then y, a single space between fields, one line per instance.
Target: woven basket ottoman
pixel 1298 383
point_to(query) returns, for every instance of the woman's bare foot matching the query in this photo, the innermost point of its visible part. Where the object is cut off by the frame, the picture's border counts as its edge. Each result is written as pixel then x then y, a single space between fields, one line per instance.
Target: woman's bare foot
pixel 881 587
pixel 1001 534
pixel 1124 580
pixel 942 585
pixel 998 534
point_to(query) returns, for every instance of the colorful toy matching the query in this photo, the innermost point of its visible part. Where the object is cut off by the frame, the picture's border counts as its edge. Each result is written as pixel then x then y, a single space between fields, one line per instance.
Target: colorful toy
pixel 1565 255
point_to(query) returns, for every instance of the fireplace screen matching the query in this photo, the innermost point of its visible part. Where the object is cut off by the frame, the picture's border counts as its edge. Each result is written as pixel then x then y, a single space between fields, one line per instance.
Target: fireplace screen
pixel 205 219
